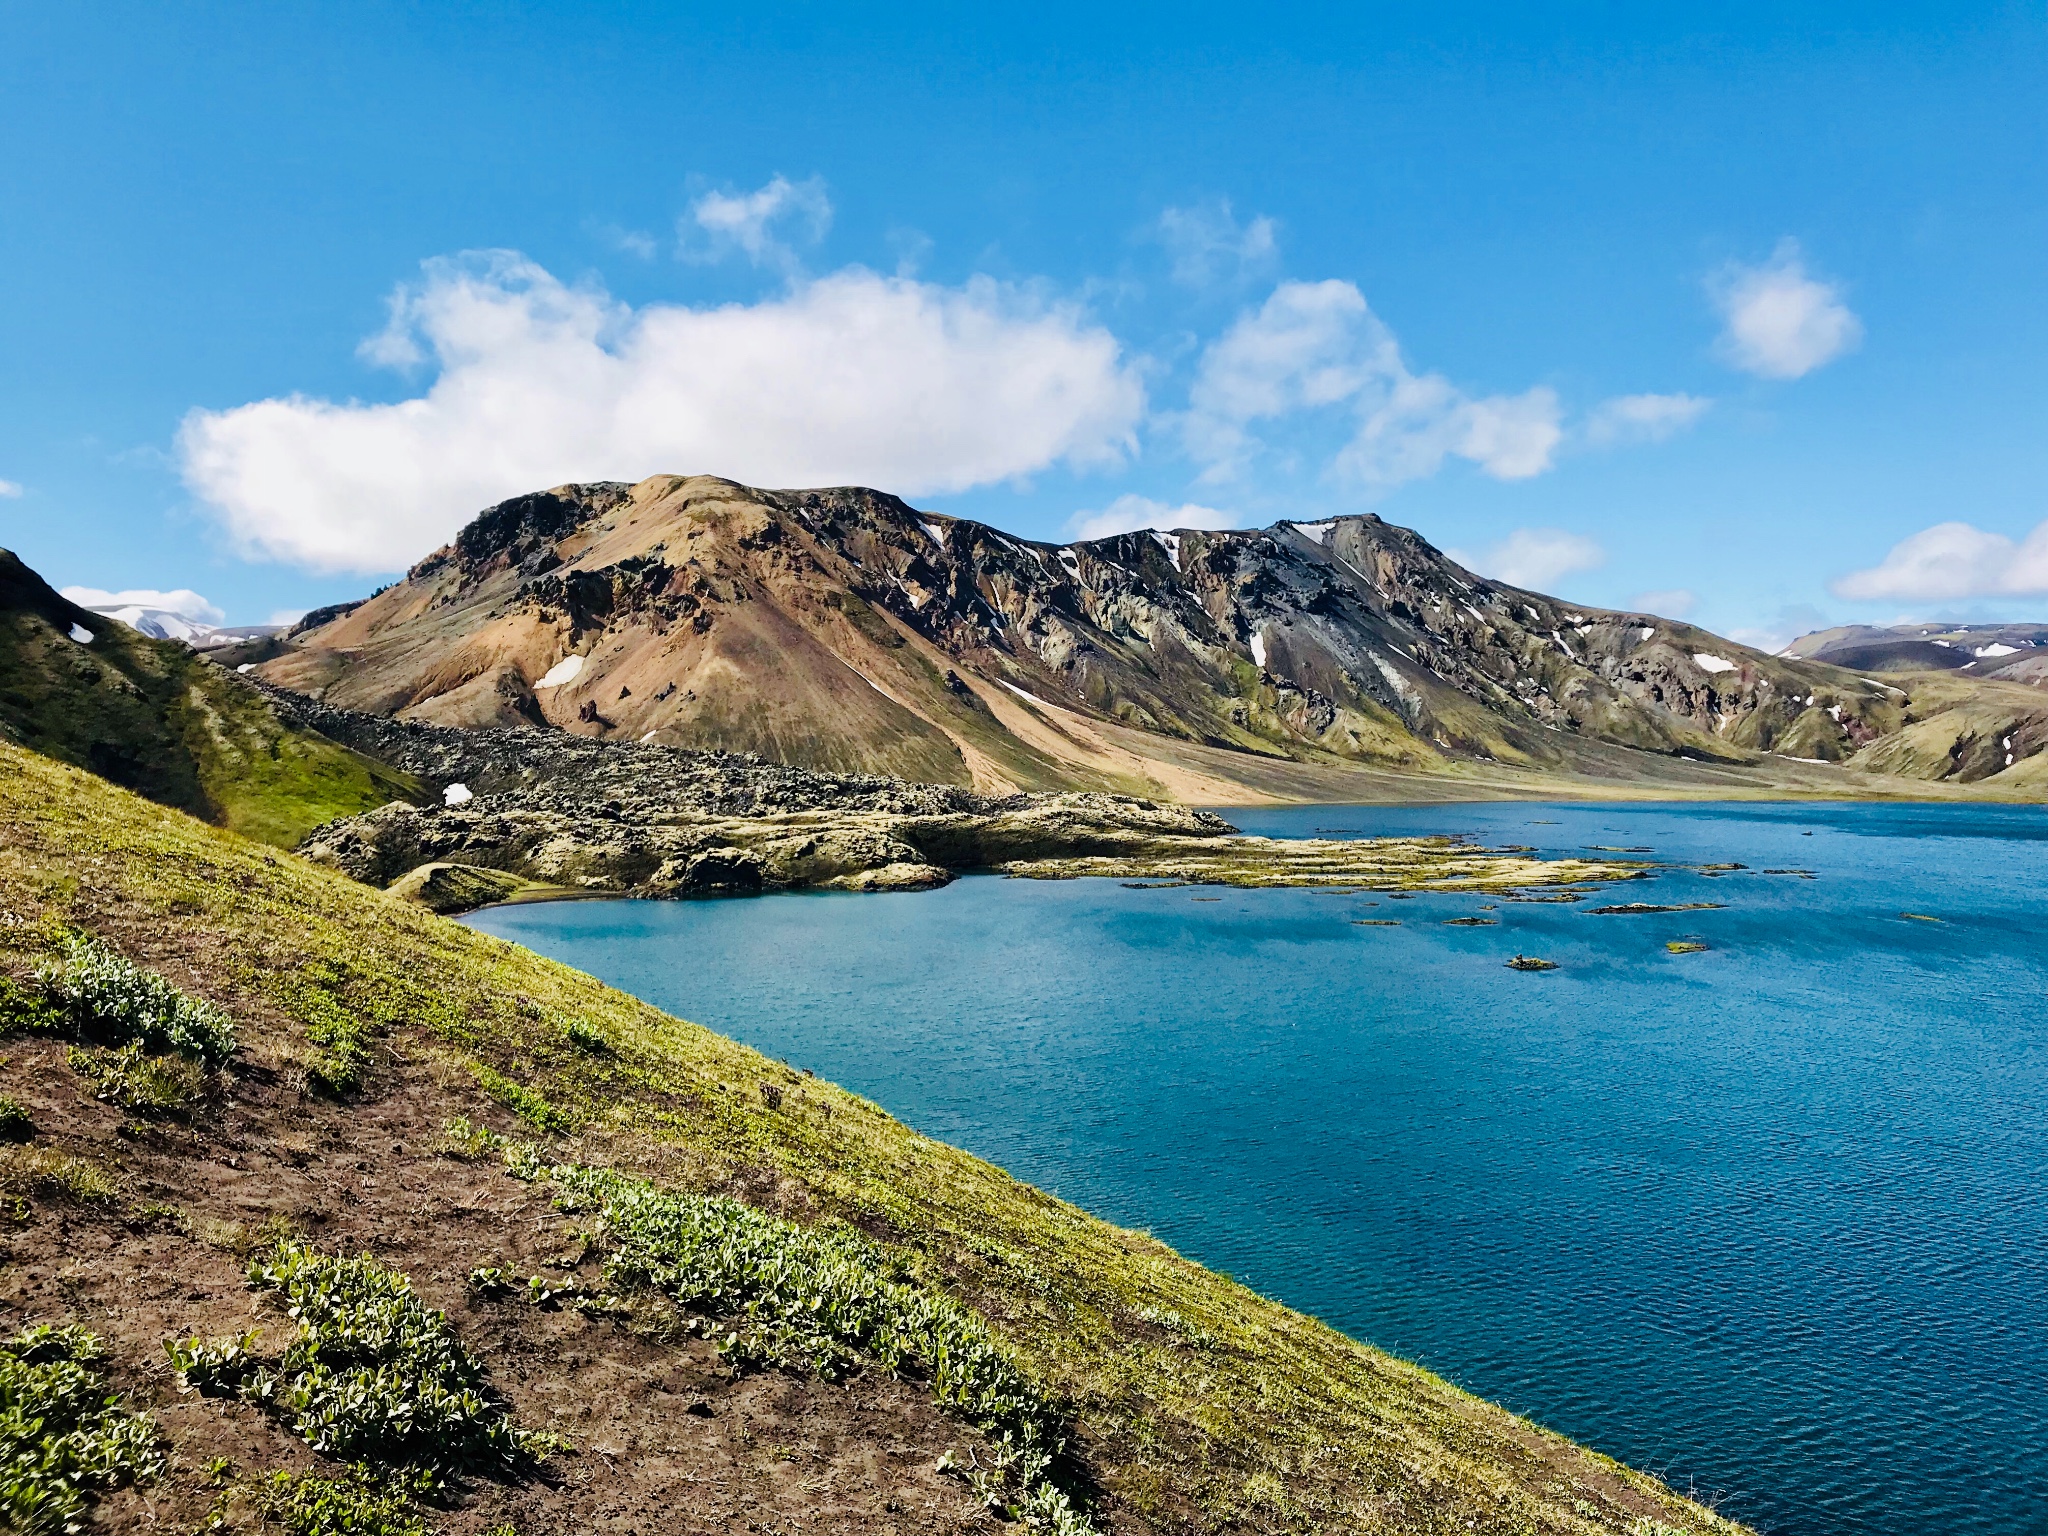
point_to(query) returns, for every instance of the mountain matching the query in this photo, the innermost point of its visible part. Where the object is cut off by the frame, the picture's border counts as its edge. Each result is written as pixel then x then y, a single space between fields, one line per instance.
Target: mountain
pixel 153 716
pixel 169 624
pixel 2014 652
pixel 844 630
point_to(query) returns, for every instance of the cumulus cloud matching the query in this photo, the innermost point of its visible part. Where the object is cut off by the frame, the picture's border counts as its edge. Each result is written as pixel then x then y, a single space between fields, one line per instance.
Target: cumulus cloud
pixel 9 489
pixel 853 377
pixel 1953 560
pixel 1677 603
pixel 1643 418
pixel 1209 247
pixel 1533 558
pixel 1127 514
pixel 184 602
pixel 755 223
pixel 1318 345
pixel 1779 322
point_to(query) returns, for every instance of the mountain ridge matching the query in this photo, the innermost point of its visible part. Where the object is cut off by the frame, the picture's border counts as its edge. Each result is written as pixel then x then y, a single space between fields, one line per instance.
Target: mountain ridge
pixel 845 630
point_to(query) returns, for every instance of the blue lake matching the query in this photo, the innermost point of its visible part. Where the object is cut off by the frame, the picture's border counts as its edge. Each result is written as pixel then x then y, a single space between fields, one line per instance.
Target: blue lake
pixel 1771 1220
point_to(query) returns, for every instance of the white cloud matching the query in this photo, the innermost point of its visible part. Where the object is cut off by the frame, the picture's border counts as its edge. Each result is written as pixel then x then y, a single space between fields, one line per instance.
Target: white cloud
pixel 1208 246
pixel 1533 558
pixel 1678 603
pixel 184 602
pixel 1953 560
pixel 1317 345
pixel 1643 418
pixel 1781 323
pixel 1127 514
pixel 719 223
pixel 853 377
pixel 9 489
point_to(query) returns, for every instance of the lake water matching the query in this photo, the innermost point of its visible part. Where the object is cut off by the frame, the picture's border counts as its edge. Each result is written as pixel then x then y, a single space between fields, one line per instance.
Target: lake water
pixel 1771 1220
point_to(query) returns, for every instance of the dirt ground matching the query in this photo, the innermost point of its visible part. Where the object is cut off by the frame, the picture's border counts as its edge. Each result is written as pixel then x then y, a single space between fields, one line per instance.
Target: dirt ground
pixel 667 1438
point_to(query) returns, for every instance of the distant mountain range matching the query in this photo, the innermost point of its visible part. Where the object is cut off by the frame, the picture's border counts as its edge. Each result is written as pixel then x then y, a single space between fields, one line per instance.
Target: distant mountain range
pixel 844 630
pixel 2015 652
pixel 169 624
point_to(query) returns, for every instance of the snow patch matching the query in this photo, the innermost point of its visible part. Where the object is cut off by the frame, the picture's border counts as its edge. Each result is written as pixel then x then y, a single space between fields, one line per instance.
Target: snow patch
pixel 1028 698
pixel 1170 542
pixel 567 670
pixel 81 634
pixel 1259 650
pixel 938 538
pixel 1320 532
pixel 247 666
pixel 1996 648
pixel 1707 663
pixel 1647 632
pixel 456 794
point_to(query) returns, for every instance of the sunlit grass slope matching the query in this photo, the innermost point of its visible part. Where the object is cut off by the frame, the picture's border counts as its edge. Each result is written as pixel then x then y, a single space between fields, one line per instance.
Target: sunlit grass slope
pixel 156 717
pixel 1194 1404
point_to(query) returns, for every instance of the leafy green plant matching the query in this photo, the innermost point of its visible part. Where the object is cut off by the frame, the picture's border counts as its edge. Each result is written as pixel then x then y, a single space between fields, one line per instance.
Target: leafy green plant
pixel 136 1080
pixel 15 1124
pixel 584 1038
pixel 28 1010
pixel 64 1437
pixel 375 1377
pixel 105 993
pixel 466 1141
pixel 820 1299
pixel 307 1505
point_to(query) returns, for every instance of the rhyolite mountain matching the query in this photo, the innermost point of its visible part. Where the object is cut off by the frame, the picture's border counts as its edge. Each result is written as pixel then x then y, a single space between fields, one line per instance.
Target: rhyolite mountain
pixel 844 630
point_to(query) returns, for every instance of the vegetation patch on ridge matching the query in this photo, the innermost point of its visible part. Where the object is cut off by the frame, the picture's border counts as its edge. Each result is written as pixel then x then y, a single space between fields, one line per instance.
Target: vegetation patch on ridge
pixel 375 1379
pixel 64 1436
pixel 819 1299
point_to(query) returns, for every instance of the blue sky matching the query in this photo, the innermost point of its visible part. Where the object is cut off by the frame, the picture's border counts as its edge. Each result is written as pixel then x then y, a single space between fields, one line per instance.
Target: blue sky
pixel 1745 309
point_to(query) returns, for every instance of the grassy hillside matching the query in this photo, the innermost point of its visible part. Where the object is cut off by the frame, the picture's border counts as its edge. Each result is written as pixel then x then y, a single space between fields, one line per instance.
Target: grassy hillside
pixel 150 1186
pixel 161 720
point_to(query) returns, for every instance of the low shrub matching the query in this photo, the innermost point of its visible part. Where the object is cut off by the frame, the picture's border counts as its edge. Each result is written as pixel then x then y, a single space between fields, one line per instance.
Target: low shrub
pixel 136 1080
pixel 375 1377
pixel 64 1437
pixel 105 994
pixel 819 1299
pixel 27 1010
pixel 15 1124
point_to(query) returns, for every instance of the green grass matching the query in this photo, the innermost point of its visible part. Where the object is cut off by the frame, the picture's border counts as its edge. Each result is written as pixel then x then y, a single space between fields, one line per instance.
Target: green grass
pixel 1280 1424
pixel 64 1437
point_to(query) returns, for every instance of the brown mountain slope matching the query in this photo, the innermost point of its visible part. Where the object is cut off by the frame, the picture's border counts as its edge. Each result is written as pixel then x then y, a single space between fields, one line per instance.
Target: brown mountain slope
pixel 842 629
